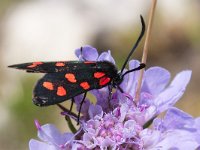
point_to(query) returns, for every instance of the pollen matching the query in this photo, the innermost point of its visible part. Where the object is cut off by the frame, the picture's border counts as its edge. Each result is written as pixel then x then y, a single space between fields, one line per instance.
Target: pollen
pixel 85 85
pixel 61 91
pixel 60 64
pixel 70 77
pixel 104 81
pixel 99 74
pixel 48 85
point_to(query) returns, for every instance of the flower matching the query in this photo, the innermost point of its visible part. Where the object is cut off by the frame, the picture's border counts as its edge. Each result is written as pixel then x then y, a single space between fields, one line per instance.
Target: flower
pixel 155 97
pixel 51 137
pixel 177 130
pixel 90 53
pixel 126 124
pixel 111 130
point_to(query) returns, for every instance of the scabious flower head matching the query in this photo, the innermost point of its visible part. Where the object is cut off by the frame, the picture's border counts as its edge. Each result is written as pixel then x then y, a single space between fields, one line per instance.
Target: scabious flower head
pixel 126 124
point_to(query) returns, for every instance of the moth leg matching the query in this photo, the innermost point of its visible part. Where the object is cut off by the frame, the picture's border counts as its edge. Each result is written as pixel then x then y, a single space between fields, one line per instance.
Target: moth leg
pixel 68 115
pixel 127 95
pixel 72 102
pixel 120 89
pixel 79 112
pixel 62 107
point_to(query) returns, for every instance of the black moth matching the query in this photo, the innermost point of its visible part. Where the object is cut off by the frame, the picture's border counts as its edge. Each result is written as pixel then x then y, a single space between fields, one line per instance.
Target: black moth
pixel 65 80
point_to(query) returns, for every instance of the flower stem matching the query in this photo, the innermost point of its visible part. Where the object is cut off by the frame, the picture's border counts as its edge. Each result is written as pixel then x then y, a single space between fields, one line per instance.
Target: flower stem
pixel 146 48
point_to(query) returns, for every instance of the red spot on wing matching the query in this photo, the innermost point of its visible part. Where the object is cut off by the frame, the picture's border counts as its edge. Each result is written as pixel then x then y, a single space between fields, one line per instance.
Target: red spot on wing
pixel 89 62
pixel 34 64
pixel 104 81
pixel 60 64
pixel 85 85
pixel 61 91
pixel 99 74
pixel 48 85
pixel 70 77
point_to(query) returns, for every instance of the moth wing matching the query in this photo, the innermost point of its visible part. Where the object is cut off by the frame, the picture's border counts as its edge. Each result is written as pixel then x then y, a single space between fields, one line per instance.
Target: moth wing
pixel 52 67
pixel 54 88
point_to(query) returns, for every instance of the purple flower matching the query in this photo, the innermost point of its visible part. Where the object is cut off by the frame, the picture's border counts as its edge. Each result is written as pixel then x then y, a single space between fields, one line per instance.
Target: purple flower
pixel 109 130
pixel 89 53
pixel 51 138
pixel 125 125
pixel 156 96
pixel 177 130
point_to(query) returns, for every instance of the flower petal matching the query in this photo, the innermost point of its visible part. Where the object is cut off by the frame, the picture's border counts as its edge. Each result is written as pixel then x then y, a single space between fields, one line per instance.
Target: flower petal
pixel 89 141
pixel 130 80
pixel 88 53
pixel 37 145
pixel 149 113
pixel 123 111
pixel 177 139
pixel 107 143
pixel 78 146
pixel 49 133
pixel 129 129
pixel 150 137
pixel 95 111
pixel 102 98
pixel 106 56
pixel 176 119
pixel 173 93
pixel 155 80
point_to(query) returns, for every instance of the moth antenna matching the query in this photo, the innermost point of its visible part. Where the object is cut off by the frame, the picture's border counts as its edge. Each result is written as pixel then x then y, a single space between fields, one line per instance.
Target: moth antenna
pixel 136 43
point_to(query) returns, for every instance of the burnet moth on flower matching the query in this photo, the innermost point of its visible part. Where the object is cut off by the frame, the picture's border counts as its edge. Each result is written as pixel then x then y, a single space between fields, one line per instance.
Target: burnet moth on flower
pixel 63 80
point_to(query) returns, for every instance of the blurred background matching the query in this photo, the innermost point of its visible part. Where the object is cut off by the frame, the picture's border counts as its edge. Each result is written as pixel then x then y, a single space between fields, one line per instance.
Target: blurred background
pixel 50 30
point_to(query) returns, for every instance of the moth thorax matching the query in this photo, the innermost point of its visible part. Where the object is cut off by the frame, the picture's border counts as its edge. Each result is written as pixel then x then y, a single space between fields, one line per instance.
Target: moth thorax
pixel 117 79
